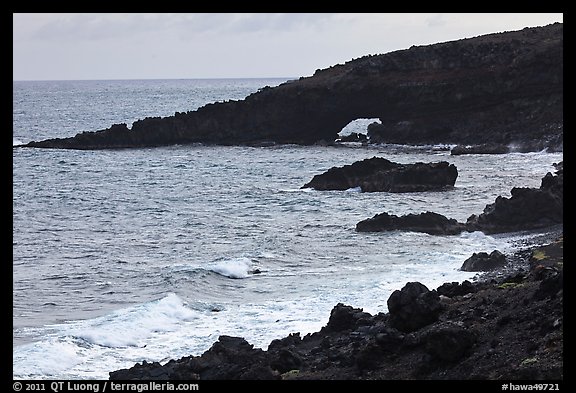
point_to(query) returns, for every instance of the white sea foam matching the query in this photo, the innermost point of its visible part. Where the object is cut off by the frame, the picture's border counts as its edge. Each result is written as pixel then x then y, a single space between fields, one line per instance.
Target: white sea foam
pixel 233 268
pixel 169 328
pixel 16 142
pixel 119 334
pixel 158 331
pixel 51 356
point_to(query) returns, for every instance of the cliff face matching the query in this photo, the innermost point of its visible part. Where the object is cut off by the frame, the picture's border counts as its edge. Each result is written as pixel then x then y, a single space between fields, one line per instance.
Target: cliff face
pixel 504 88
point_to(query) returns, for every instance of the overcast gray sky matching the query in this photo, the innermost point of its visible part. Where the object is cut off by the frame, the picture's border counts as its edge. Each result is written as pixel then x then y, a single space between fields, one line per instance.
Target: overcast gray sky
pixel 229 45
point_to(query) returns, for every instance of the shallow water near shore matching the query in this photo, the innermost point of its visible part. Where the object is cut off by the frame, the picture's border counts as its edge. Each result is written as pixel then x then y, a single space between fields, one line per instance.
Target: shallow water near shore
pixel 150 254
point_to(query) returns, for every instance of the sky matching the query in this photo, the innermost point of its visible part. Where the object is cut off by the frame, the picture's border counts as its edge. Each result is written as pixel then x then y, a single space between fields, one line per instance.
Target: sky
pixel 82 46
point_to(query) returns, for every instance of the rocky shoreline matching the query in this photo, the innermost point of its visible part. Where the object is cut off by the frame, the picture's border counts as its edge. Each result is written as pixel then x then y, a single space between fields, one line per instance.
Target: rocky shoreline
pixel 504 325
pixel 507 324
pixel 486 94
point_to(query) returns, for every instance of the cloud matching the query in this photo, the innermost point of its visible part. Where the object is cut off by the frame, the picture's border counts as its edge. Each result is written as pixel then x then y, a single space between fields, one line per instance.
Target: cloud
pixel 98 26
pixel 175 45
pixel 435 20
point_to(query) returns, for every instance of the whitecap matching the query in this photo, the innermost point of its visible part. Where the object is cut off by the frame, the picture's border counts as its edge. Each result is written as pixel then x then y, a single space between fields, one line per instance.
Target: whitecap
pixel 233 268
pixel 131 326
pixel 73 344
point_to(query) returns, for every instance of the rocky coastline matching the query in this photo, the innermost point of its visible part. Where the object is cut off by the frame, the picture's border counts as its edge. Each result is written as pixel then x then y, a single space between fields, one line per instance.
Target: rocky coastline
pixel 503 89
pixel 507 324
pixel 502 326
pixel 489 94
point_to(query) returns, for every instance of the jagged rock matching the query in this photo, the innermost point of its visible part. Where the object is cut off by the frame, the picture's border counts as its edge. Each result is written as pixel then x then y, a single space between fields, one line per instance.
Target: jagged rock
pixel 286 342
pixel 428 222
pixel 451 289
pixel 413 307
pixel 528 208
pixel 501 88
pixel 344 317
pixel 482 261
pixel 285 360
pixel 379 174
pixel 230 358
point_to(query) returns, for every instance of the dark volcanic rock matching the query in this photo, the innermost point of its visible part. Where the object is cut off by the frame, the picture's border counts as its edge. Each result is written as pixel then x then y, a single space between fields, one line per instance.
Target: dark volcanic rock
pixel 482 261
pixel 428 222
pixel 451 289
pixel 527 208
pixel 501 88
pixel 491 330
pixel 229 358
pixel 344 317
pixel 413 307
pixel 449 343
pixel 379 174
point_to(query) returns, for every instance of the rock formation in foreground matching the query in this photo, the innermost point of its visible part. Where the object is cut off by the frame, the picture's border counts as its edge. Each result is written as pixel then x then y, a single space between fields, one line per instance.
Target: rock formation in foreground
pixel 508 329
pixel 502 88
pixel 379 174
pixel 526 209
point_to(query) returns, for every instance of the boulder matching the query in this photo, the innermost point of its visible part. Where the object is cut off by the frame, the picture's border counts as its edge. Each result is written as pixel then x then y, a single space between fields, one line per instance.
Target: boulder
pixel 482 261
pixel 344 317
pixel 353 137
pixel 451 289
pixel 413 307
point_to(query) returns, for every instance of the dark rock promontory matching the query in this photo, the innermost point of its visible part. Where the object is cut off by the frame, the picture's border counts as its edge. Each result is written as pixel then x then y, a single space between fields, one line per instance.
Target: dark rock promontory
pixel 500 88
pixel 379 174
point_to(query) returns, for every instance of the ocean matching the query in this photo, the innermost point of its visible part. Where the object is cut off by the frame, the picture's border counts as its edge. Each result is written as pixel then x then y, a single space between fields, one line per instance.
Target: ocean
pixel 121 256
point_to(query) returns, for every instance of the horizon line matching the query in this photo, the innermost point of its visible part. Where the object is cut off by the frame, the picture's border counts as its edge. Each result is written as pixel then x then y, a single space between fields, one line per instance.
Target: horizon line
pixel 151 79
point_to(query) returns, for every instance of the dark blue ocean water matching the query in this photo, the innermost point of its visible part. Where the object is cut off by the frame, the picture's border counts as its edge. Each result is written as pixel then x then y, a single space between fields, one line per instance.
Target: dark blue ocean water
pixel 149 254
